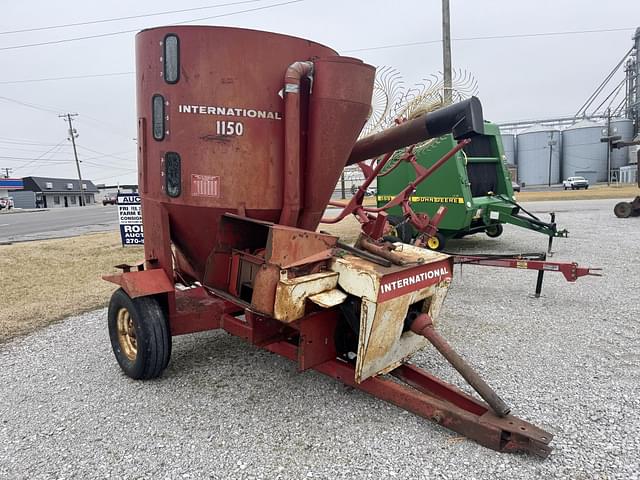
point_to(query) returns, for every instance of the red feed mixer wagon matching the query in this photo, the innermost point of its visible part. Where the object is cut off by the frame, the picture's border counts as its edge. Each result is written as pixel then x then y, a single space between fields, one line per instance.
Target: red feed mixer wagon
pixel 242 136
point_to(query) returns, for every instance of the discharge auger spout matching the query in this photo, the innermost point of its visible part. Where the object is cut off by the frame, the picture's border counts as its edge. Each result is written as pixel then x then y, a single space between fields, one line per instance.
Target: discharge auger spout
pixel 463 119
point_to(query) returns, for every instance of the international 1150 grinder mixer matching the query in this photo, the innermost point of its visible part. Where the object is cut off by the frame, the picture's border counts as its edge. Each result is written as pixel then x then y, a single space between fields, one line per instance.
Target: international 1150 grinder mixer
pixel 242 136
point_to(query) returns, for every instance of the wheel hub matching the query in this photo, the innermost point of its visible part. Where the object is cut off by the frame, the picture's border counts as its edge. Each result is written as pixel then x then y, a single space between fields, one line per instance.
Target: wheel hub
pixel 127 334
pixel 433 243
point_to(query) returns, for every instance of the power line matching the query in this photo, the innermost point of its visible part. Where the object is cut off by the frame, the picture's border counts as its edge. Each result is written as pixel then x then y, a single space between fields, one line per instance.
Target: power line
pixel 13 148
pixel 111 34
pixel 92 164
pixel 102 125
pixel 17 141
pixel 63 160
pixel 130 17
pixel 102 154
pixel 114 176
pixel 36 159
pixel 380 47
pixel 88 118
pixel 73 77
pixel 55 148
pixel 492 37
pixel 30 105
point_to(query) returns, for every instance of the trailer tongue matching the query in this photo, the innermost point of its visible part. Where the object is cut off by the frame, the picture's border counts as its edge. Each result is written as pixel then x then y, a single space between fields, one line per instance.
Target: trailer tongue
pixel 234 180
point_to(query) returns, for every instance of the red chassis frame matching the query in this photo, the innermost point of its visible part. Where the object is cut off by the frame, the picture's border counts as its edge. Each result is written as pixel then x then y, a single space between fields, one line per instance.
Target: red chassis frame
pixel 310 342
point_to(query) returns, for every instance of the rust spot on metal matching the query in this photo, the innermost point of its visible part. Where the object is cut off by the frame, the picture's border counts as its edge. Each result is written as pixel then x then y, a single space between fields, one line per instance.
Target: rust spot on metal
pixel 217 138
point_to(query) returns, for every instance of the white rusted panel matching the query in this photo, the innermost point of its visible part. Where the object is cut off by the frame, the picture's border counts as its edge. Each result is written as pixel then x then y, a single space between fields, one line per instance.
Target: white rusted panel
pixel 437 300
pixel 382 345
pixel 411 252
pixel 329 299
pixel 357 276
pixel 292 294
pixel 367 317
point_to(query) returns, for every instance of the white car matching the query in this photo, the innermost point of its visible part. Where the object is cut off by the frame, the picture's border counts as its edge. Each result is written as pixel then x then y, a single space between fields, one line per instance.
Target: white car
pixel 6 202
pixel 575 183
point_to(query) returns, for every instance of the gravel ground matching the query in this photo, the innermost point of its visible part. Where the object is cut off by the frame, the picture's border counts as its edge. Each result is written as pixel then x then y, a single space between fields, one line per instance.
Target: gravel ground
pixel 568 362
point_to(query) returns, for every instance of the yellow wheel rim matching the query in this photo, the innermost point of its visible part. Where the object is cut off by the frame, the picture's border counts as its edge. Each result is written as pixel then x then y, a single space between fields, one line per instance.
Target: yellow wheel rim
pixel 433 243
pixel 127 334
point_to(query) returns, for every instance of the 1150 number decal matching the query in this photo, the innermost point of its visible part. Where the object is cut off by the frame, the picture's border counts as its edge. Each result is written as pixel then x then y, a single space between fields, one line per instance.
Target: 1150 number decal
pixel 224 127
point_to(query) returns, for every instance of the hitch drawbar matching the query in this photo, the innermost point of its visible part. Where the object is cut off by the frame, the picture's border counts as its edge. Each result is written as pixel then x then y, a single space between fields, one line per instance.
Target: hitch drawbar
pixel 528 261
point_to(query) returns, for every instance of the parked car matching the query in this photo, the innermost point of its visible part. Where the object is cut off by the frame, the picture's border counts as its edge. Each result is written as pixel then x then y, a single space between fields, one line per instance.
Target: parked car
pixel 575 183
pixel 6 202
pixel 110 200
pixel 515 186
pixel 371 191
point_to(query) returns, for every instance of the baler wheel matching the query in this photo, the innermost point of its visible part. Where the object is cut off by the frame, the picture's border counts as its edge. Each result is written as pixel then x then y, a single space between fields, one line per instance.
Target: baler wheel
pixel 494 230
pixel 139 335
pixel 436 242
pixel 622 210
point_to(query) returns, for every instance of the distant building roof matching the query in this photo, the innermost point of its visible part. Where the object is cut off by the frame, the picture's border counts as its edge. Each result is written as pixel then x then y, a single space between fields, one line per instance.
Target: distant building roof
pixel 124 186
pixel 11 183
pixel 57 185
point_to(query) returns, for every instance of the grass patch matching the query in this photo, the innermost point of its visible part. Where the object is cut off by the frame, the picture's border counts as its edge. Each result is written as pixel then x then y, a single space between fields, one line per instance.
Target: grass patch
pixel 47 280
pixel 592 193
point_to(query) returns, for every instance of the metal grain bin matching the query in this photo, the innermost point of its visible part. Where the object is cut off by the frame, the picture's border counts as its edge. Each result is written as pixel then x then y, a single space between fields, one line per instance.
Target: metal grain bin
pixel 624 128
pixel 538 152
pixel 583 153
pixel 509 146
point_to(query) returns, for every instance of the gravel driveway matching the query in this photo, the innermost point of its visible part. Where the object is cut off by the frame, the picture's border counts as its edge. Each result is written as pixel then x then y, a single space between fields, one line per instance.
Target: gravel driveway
pixel 568 362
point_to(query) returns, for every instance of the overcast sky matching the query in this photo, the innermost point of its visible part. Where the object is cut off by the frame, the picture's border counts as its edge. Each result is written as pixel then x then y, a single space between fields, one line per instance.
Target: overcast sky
pixel 518 78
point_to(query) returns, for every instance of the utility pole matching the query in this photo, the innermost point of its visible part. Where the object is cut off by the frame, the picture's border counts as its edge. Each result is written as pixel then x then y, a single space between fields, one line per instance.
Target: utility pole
pixel 608 148
pixel 73 135
pixel 7 172
pixel 446 53
pixel 551 143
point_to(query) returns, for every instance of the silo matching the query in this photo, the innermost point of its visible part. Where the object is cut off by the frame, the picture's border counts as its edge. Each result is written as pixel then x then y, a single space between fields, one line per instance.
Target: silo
pixel 583 154
pixel 624 128
pixel 538 152
pixel 509 147
pixel 633 152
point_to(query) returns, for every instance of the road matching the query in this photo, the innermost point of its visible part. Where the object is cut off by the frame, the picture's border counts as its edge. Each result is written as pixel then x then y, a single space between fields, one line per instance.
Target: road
pixel 69 222
pixel 56 223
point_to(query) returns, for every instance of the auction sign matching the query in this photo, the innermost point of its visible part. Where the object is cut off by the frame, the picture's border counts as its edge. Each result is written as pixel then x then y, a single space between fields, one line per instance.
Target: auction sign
pixel 130 218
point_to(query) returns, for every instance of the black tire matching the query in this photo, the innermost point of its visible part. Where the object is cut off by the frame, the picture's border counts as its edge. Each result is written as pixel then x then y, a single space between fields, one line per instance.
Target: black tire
pixel 494 230
pixel 565 187
pixel 623 210
pixel 586 187
pixel 152 338
pixel 403 230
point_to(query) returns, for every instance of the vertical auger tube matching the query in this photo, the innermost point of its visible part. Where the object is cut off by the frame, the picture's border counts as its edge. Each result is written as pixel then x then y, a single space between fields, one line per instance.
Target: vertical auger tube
pixel 463 119
pixel 292 180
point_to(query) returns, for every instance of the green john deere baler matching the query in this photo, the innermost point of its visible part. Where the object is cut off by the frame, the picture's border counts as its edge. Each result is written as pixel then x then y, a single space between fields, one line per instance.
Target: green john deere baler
pixel 474 185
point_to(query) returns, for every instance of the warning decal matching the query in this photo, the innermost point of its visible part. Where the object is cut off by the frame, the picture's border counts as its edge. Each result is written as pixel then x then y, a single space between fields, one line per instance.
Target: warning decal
pixel 205 186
